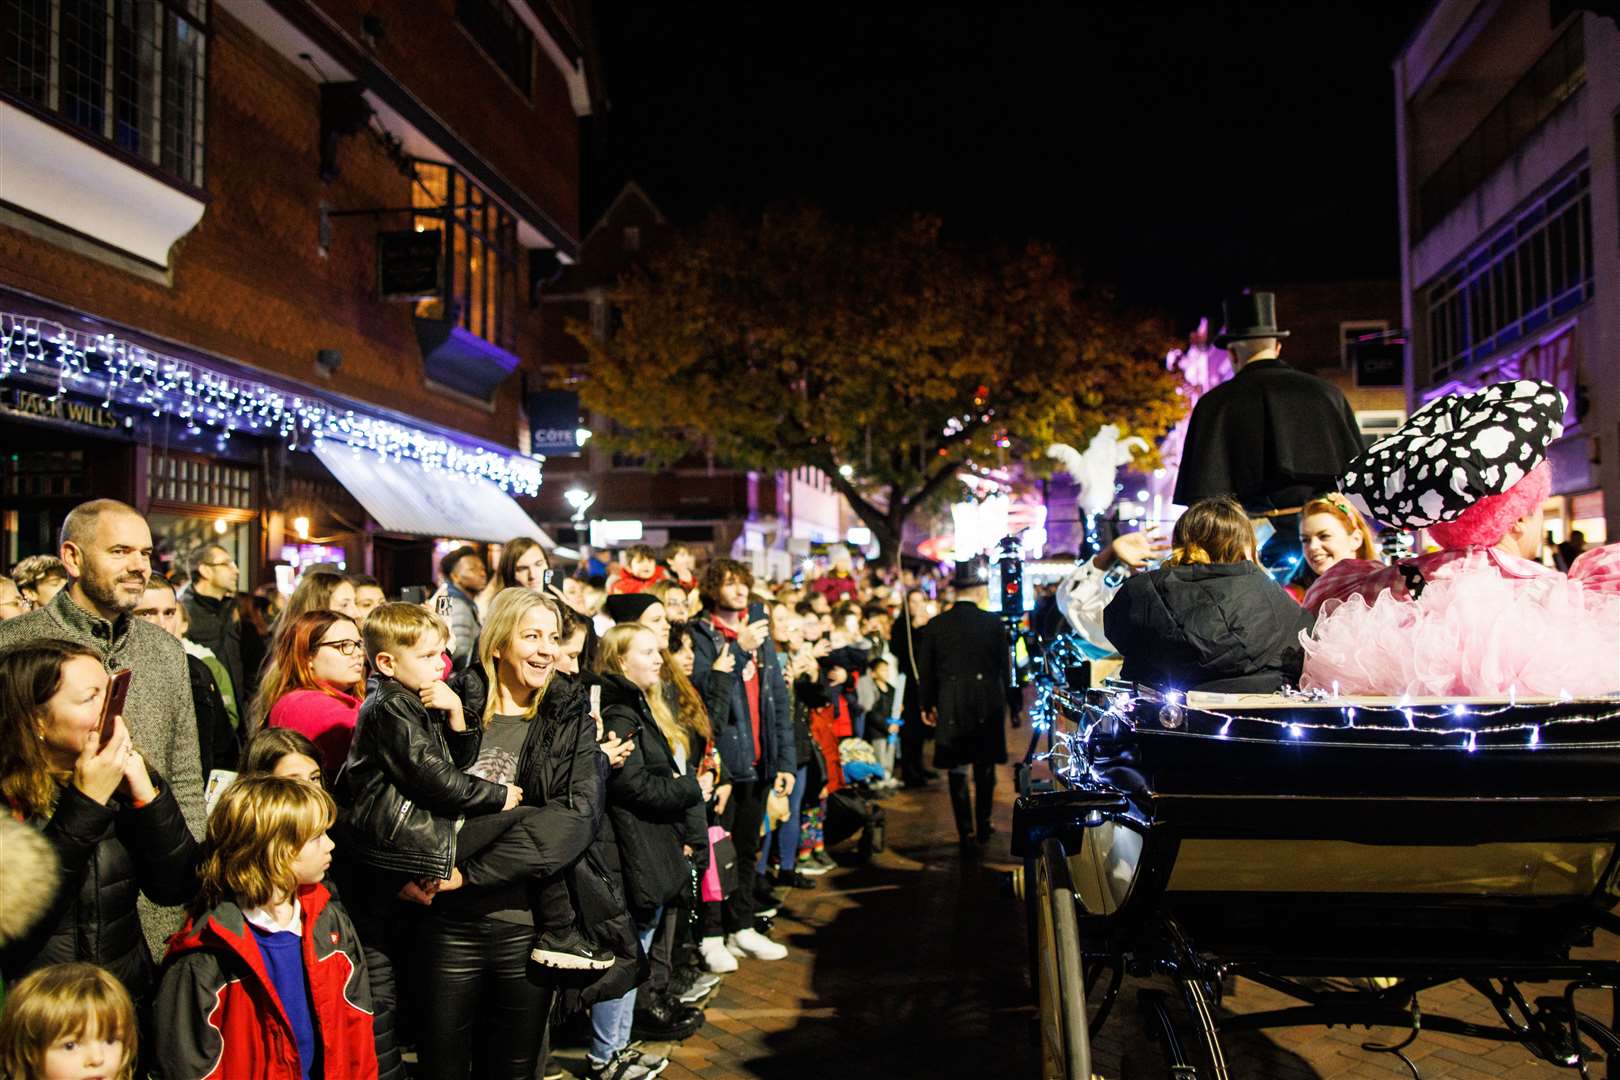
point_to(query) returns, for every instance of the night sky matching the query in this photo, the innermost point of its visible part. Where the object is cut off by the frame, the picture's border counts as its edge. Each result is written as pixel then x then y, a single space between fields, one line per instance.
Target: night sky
pixel 1180 150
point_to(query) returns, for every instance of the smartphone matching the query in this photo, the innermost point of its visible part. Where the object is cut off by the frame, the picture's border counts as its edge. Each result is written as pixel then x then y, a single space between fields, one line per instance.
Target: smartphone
pixel 113 707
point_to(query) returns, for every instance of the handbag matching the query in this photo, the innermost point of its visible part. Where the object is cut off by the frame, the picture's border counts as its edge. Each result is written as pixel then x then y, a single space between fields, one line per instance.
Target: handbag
pixel 720 878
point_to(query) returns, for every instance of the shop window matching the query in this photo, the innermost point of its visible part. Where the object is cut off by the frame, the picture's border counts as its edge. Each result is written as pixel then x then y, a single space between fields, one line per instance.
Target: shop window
pixel 1353 331
pixel 1526 273
pixel 478 280
pixel 496 27
pixel 129 75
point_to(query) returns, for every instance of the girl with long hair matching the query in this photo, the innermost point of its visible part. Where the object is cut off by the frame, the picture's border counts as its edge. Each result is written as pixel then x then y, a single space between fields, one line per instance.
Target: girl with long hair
pixel 114 824
pixel 314 683
pixel 656 812
pixel 240 996
pixel 1331 531
pixel 1178 627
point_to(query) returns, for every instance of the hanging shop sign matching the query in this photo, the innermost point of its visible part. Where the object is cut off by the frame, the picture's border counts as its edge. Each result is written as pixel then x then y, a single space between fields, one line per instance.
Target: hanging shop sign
pixel 554 423
pixel 63 408
pixel 409 264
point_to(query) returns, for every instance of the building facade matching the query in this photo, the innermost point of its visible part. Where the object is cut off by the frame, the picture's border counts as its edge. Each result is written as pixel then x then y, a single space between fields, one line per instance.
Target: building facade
pixel 265 268
pixel 1507 118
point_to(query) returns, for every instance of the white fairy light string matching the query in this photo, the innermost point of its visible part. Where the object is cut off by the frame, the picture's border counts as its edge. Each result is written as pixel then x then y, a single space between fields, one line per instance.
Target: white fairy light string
pixel 210 401
pixel 1173 715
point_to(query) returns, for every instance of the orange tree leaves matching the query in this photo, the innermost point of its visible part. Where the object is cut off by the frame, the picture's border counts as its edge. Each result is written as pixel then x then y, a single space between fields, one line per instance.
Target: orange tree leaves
pixel 792 340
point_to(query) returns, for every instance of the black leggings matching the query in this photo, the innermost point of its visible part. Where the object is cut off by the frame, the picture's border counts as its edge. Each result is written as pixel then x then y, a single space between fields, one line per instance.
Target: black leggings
pixel 486 1015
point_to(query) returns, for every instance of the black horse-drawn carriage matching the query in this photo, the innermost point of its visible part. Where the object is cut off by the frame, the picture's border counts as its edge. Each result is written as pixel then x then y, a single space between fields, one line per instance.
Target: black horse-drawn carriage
pixel 1347 853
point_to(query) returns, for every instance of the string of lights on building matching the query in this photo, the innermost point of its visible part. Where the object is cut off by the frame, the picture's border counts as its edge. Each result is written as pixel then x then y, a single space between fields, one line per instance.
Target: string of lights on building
pixel 213 403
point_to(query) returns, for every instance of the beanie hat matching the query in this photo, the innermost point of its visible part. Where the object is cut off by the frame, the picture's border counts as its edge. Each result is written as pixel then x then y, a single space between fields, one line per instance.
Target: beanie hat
pixel 628 607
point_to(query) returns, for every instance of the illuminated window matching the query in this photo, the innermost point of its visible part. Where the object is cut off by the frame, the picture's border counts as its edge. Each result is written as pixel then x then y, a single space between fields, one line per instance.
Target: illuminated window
pixel 478 278
pixel 128 74
pixel 1516 279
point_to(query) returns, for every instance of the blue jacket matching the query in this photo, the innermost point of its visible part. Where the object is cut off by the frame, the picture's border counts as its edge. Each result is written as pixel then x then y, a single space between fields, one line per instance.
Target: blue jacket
pixel 735 738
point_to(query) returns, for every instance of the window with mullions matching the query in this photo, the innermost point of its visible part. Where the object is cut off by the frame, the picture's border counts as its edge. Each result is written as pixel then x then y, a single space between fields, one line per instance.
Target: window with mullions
pixel 495 25
pixel 1531 270
pixel 479 276
pixel 127 73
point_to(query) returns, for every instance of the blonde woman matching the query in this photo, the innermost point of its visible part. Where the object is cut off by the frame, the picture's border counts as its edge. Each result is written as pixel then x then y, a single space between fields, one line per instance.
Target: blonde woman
pixel 1211 619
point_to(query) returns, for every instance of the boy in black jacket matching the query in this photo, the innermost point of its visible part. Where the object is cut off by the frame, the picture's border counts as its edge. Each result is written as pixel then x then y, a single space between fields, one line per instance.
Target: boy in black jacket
pixel 414 809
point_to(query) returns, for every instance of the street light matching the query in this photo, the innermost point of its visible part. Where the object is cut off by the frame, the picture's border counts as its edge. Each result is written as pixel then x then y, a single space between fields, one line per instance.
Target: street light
pixel 580 500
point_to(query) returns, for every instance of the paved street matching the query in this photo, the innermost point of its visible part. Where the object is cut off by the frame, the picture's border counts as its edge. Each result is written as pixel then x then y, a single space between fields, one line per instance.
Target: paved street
pixel 913 967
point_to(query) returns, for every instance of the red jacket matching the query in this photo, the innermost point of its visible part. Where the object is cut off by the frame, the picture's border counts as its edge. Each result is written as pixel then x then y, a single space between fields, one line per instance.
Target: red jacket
pixel 221 1019
pixel 836 587
pixel 627 583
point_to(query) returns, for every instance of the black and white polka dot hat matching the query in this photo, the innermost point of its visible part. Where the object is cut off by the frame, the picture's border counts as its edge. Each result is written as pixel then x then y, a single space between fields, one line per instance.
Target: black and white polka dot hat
pixel 1454 451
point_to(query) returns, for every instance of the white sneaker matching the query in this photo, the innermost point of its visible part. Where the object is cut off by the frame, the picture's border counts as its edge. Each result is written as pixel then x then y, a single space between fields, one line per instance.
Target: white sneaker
pixel 753 944
pixel 716 957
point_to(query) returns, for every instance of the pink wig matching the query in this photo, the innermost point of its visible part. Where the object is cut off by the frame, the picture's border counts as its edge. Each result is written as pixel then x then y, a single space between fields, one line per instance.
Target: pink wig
pixel 1487 521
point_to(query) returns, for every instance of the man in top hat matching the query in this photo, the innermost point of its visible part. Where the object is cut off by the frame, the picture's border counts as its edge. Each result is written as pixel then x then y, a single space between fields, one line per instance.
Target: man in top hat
pixel 965 672
pixel 1271 436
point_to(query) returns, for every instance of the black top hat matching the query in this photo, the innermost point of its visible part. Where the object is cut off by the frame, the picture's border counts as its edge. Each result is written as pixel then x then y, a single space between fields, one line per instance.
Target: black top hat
pixel 1249 315
pixel 971 574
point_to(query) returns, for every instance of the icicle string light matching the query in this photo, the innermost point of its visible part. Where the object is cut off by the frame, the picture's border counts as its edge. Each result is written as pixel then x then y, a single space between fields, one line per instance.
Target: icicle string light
pixel 213 402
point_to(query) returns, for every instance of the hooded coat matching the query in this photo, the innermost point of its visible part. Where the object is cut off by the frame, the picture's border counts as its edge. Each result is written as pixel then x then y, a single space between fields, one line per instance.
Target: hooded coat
pixel 1223 627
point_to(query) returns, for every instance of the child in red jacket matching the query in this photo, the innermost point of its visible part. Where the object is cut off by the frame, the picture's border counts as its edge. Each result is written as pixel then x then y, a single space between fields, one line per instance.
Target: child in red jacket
pixel 267 978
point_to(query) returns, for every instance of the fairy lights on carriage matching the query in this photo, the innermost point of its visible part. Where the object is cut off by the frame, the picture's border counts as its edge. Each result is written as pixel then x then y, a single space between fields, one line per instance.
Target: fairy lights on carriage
pixel 211 402
pixel 1447 724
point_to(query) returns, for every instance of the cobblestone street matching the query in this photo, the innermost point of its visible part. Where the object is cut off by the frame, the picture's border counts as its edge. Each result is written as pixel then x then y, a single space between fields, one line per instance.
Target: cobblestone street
pixel 913 966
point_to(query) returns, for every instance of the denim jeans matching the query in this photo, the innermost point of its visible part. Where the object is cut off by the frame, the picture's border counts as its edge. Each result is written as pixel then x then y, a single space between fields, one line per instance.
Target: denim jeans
pixel 786 835
pixel 611 1020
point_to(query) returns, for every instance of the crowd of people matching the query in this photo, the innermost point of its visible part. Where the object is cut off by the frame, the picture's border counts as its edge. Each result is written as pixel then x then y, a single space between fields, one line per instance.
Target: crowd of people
pixel 333 834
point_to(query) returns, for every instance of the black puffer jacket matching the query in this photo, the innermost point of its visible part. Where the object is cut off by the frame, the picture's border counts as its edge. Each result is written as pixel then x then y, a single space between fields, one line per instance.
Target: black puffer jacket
pixel 648 802
pixel 1225 628
pixel 404 782
pixel 108 854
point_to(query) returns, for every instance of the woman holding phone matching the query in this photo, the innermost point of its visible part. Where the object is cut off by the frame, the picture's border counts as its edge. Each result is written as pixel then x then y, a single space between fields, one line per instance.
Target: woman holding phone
pixel 114 824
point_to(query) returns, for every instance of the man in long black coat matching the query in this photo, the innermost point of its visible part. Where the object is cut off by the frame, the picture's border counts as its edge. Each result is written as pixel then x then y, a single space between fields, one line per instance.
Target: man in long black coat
pixel 965 672
pixel 1271 436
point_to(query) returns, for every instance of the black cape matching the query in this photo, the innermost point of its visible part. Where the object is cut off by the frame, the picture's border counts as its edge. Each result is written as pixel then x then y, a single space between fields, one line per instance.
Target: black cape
pixel 1271 436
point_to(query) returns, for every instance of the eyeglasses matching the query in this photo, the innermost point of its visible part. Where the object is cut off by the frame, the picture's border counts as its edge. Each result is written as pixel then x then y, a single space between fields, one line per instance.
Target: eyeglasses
pixel 227 562
pixel 347 646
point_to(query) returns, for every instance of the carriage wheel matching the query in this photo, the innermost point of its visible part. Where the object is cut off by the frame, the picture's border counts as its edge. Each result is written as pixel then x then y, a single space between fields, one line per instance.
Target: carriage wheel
pixel 1059 986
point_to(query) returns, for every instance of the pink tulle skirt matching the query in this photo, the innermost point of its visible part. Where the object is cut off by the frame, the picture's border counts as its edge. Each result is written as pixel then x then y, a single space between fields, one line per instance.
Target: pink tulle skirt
pixel 1473 632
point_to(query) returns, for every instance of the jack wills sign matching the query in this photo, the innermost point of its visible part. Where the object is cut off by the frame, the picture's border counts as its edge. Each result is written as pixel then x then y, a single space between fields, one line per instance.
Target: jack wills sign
pixel 61 408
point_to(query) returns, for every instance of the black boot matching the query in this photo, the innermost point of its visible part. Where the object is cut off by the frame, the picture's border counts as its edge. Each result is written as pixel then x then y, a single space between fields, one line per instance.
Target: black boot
pixel 662 1018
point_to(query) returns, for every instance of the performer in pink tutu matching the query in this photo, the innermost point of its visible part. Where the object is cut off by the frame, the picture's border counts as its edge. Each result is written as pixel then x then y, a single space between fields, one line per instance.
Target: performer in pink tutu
pixel 1480 616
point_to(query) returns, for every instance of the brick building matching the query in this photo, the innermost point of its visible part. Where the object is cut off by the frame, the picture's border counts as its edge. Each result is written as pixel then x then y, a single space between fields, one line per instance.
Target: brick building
pixel 265 267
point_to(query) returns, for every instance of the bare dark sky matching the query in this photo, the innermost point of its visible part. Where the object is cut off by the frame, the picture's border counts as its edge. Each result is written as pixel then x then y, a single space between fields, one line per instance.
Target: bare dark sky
pixel 1183 150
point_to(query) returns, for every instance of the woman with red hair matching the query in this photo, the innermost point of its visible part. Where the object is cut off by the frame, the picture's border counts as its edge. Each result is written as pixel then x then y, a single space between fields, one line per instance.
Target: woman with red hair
pixel 1480 616
pixel 314 682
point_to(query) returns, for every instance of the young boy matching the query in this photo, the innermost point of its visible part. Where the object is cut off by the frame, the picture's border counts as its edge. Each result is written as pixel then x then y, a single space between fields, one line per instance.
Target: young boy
pixel 638 572
pixel 881 727
pixel 416 811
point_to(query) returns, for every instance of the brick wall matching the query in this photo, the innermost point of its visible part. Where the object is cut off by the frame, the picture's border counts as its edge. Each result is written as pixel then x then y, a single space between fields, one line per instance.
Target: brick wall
pixel 532 141
pixel 250 283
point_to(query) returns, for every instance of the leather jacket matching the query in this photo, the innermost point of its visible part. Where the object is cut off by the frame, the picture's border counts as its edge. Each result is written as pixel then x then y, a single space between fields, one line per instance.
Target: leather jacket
pixel 405 784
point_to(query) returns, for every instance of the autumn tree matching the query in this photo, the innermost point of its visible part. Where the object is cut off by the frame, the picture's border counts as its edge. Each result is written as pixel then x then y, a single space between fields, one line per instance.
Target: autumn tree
pixel 885 358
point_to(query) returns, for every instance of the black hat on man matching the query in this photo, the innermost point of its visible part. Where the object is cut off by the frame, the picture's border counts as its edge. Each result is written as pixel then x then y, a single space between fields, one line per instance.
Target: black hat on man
pixel 1249 315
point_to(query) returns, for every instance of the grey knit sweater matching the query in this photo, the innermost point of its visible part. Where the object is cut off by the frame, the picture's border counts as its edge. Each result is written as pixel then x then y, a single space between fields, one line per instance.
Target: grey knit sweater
pixel 159 711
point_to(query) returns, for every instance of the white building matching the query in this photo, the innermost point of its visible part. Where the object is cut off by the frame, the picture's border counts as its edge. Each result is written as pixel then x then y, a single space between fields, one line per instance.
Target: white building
pixel 1507 117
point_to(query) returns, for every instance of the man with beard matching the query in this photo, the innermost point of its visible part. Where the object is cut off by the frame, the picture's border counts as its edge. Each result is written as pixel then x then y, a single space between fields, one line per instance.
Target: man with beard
pixel 107 549
pixel 210 603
